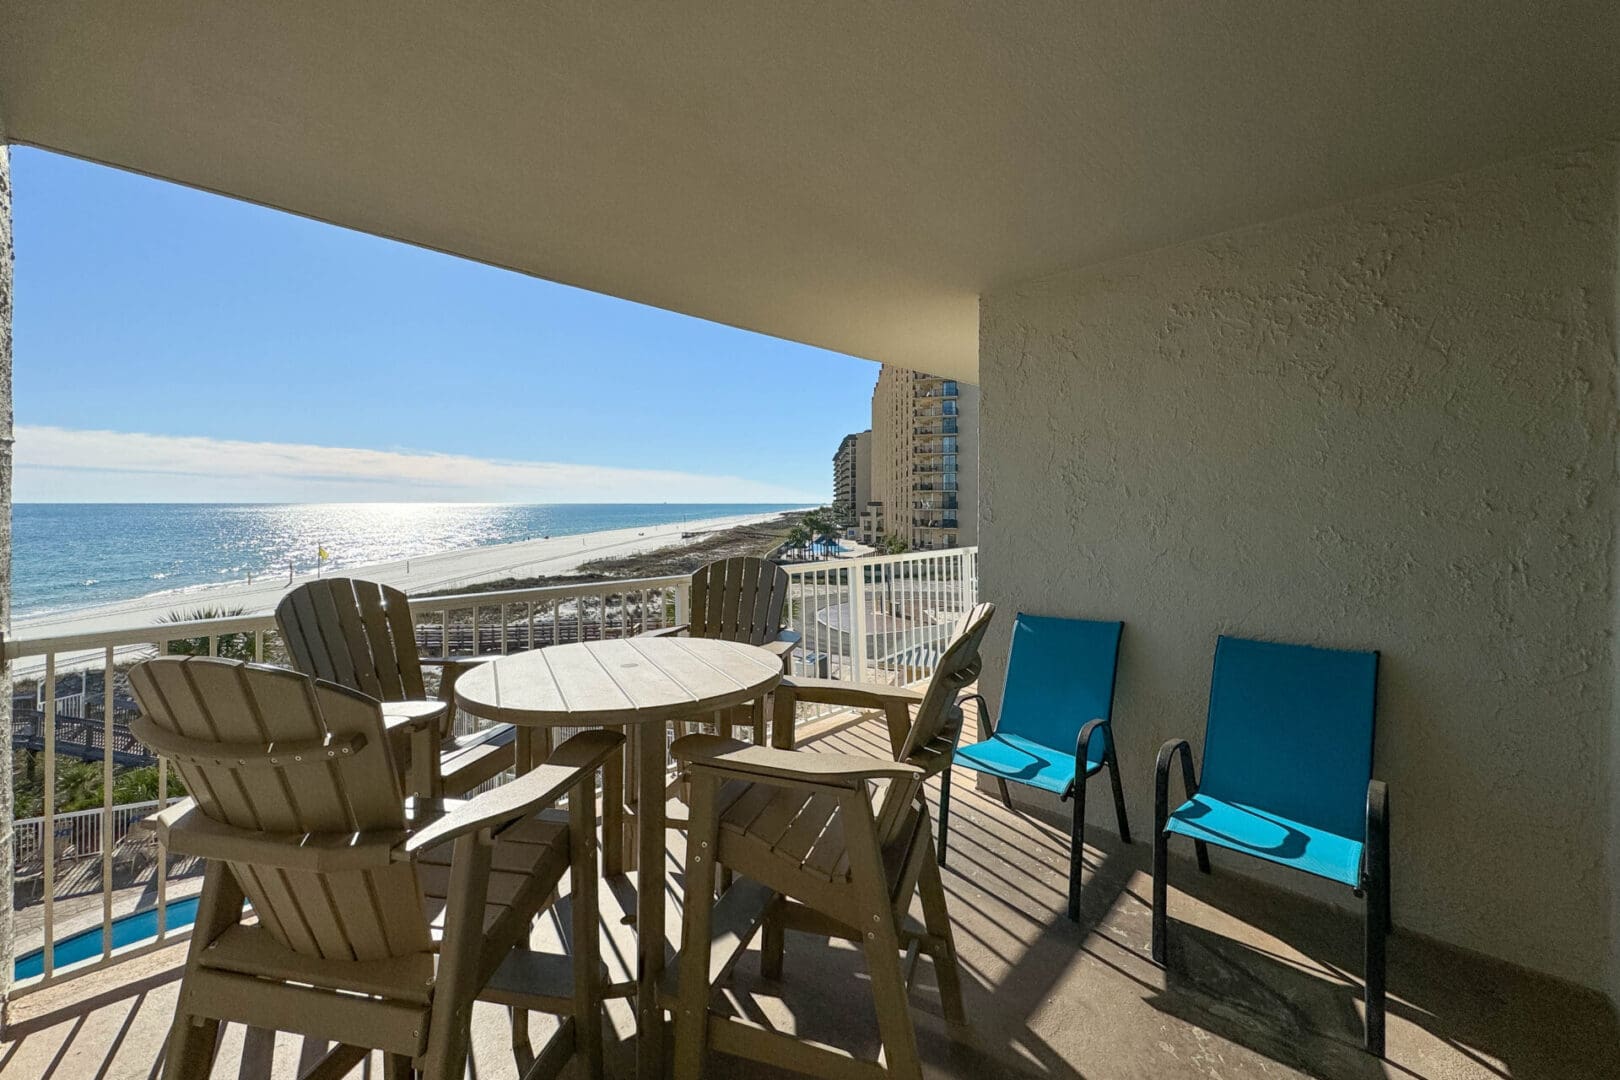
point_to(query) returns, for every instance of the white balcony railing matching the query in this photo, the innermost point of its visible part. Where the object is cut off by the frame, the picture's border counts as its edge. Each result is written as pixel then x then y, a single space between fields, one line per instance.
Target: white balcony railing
pixel 79 877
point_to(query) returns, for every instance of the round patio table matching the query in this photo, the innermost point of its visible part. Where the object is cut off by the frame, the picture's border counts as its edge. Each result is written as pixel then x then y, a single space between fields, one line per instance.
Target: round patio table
pixel 640 685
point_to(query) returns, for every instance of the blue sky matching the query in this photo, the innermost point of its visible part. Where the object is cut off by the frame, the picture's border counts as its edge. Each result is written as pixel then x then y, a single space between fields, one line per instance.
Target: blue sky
pixel 163 336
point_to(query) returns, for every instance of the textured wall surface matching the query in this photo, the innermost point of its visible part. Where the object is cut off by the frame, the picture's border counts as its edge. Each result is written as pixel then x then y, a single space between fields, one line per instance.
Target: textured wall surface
pixel 1388 425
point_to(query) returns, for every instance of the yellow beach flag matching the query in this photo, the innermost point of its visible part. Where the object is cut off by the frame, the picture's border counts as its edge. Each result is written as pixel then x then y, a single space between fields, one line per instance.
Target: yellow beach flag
pixel 321 552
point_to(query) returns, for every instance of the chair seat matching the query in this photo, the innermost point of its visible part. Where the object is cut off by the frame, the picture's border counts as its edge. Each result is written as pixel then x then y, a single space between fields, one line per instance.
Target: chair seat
pixel 1267 836
pixel 1013 757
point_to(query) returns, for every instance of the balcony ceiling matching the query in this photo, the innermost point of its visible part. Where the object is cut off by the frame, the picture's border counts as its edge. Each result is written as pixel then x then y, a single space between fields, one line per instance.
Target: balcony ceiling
pixel 845 174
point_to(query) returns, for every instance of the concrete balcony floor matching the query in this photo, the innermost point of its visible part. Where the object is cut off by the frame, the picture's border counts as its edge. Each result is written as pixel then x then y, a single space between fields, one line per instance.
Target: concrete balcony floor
pixel 1263 984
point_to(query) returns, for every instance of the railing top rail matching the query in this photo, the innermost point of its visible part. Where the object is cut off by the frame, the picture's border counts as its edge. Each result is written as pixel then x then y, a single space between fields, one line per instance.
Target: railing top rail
pixel 25 644
pixel 876 560
pixel 546 592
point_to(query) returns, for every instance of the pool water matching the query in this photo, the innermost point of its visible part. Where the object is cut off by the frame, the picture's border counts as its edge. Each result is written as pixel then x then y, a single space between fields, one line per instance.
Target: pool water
pixel 131 929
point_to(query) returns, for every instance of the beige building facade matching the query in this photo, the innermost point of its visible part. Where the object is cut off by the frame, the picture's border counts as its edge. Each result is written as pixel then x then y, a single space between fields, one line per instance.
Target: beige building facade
pixel 925 459
pixel 852 475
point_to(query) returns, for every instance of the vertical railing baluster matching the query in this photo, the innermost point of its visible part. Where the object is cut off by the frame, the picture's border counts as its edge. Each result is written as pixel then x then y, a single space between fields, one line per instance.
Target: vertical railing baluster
pixel 48 825
pixel 857 622
pixel 107 674
pixel 160 869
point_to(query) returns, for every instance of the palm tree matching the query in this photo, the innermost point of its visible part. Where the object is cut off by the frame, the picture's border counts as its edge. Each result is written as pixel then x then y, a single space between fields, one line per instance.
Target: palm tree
pixel 231 646
pixel 798 537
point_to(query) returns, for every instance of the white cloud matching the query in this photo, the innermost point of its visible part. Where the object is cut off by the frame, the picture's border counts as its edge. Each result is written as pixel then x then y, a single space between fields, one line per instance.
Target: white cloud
pixel 62 465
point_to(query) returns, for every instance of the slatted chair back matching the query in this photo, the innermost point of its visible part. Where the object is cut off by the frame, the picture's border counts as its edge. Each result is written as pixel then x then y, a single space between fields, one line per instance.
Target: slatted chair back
pixel 358 634
pixel 740 599
pixel 1060 675
pixel 1290 731
pixel 937 716
pixel 271 751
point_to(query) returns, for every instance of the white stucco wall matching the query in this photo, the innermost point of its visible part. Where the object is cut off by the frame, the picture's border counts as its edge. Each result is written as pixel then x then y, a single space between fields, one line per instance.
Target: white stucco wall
pixel 1390 425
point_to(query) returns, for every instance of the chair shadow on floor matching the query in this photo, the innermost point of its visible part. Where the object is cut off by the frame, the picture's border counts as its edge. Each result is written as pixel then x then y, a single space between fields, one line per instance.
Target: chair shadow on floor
pixel 1246 995
pixel 1305 1010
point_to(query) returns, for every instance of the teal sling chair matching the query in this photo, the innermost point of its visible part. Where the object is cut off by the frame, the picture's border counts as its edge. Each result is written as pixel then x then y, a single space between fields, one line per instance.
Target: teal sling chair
pixel 1056 710
pixel 1287 777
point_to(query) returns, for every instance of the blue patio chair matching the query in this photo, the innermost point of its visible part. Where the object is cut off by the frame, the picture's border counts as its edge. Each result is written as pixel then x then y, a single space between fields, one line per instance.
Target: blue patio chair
pixel 1287 777
pixel 1057 708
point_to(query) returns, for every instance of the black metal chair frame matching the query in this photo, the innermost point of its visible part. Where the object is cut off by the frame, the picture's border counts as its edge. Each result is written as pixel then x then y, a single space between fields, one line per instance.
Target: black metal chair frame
pixel 1075 791
pixel 1375 878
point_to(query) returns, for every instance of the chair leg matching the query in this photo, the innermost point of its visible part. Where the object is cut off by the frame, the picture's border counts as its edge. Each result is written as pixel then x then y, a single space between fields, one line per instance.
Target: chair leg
pixel 944 811
pixel 937 921
pixel 1161 887
pixel 193 1039
pixel 582 882
pixel 880 941
pixel 450 1021
pixel 1006 796
pixel 397 1067
pixel 1377 935
pixel 772 944
pixel 1077 844
pixel 1119 795
pixel 1201 850
pixel 189 1054
pixel 882 948
pixel 1376 877
pixel 692 1005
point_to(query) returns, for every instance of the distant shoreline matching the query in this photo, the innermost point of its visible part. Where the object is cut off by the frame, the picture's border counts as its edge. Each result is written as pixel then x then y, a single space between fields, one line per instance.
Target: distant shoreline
pixel 74 559
pixel 438 571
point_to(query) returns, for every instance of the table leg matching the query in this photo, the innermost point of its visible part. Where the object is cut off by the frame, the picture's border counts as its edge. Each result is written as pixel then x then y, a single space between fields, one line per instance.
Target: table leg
pixel 650 901
pixel 523 749
pixel 613 815
pixel 632 795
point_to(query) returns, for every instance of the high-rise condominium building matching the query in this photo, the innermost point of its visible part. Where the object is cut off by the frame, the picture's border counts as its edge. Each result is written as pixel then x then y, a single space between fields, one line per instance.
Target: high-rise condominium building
pixel 852 475
pixel 925 455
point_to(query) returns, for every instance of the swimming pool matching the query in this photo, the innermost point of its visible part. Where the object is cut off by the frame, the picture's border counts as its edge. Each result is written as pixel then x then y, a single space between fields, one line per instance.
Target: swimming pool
pixel 131 929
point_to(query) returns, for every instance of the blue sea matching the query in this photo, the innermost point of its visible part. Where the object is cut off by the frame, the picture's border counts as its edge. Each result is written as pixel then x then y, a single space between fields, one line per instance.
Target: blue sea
pixel 70 555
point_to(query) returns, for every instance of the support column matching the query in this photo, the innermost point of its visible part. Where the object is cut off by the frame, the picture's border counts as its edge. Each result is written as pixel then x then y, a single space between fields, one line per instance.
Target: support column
pixel 8 860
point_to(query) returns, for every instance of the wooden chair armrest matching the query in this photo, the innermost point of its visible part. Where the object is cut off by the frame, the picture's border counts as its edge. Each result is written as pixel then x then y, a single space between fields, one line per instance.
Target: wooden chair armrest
pixel 667 631
pixel 855 695
pixel 746 761
pixel 452 668
pixel 786 641
pixel 185 830
pixel 409 715
pixel 573 763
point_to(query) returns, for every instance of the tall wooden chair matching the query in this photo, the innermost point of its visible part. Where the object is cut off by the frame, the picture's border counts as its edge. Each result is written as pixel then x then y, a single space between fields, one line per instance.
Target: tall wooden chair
pixel 367 934
pixel 823 842
pixel 740 599
pixel 924 725
pixel 359 634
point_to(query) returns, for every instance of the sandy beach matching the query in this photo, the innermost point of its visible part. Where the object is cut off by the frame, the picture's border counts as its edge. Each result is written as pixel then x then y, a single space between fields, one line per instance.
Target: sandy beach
pixel 428 573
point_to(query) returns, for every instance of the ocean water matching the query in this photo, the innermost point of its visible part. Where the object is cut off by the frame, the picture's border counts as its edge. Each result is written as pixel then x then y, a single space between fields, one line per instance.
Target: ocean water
pixel 69 555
